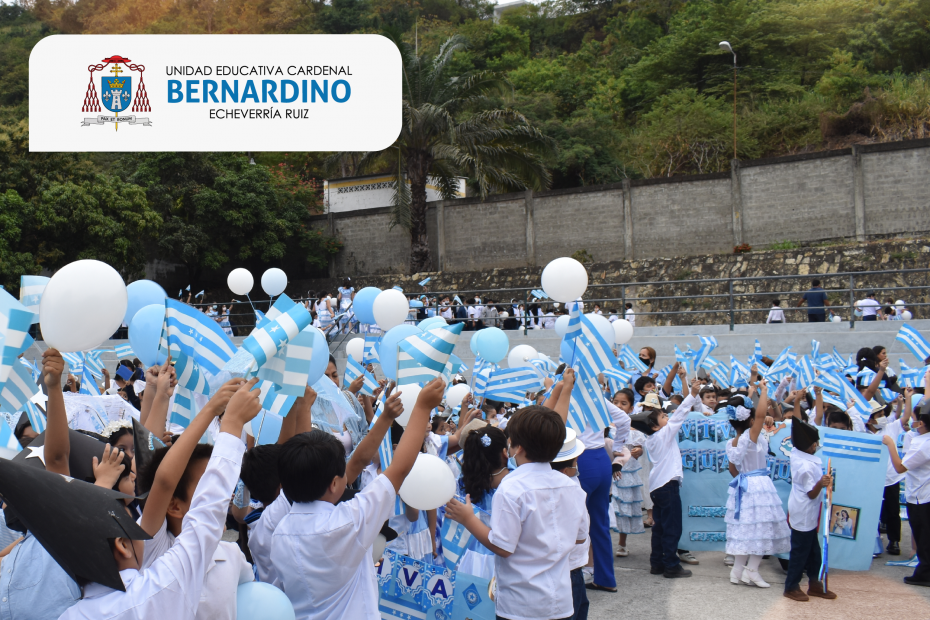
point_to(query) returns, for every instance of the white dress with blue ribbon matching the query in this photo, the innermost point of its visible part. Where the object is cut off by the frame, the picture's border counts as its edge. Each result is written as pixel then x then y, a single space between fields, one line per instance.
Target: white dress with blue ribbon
pixel 756 522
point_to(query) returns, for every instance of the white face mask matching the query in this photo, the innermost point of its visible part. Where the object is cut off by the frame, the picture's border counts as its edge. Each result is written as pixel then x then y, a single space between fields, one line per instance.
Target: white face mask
pixel 881 422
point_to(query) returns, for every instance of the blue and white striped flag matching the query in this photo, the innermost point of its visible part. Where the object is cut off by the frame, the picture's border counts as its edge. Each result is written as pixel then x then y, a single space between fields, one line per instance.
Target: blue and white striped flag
pixel 17 390
pixel 720 375
pixel 89 383
pixel 781 366
pixel 75 362
pixel 741 370
pixel 268 339
pixel 370 354
pixel 826 362
pixel 425 282
pixel 828 399
pixel 183 408
pixel 385 448
pixel 867 374
pixel 587 343
pixel 815 349
pixel 31 365
pixel 36 418
pixel 587 406
pixel 888 395
pixel 682 359
pixel 422 357
pixel 708 344
pixel 274 401
pixel 804 371
pixel 289 369
pixel 31 289
pixel 663 375
pixel 198 336
pixel 259 317
pixel 861 447
pixel 830 381
pixel 455 539
pixel 480 377
pixel 911 377
pixel 756 354
pixel 189 374
pixel 354 370
pixel 630 360
pixel 912 339
pixel 860 404
pixel 92 361
pixel 14 337
pixel 840 360
pixel 511 384
pixel 123 350
pixel 544 365
pixel 617 378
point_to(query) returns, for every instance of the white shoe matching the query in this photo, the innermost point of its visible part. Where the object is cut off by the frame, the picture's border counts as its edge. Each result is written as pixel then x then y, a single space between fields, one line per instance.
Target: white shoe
pixel 728 560
pixel 754 578
pixel 622 552
pixel 734 575
pixel 588 575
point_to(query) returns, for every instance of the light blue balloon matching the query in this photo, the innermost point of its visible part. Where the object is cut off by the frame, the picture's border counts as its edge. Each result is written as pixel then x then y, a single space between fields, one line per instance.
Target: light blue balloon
pixel 473 343
pixel 389 343
pixel 434 322
pixel 320 359
pixel 567 351
pixel 493 344
pixel 363 303
pixel 255 600
pixel 142 293
pixel 145 332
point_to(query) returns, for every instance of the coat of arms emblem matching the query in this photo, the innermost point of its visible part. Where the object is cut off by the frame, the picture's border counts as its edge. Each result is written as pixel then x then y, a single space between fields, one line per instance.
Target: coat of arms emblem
pixel 116 93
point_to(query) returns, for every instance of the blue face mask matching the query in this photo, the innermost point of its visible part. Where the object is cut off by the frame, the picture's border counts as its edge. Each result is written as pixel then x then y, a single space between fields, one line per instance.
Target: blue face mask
pixel 512 463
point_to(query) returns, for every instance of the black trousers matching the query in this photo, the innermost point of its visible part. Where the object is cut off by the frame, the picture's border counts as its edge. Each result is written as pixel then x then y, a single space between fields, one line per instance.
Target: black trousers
pixel 804 557
pixel 666 513
pixel 891 512
pixel 918 516
pixel 817 318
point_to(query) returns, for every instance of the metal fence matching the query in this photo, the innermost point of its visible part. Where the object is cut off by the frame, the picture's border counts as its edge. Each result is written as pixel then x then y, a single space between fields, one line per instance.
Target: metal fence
pixel 847 286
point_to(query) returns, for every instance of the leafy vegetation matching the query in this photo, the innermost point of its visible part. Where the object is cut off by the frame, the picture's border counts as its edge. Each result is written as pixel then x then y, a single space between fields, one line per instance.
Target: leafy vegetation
pixel 623 89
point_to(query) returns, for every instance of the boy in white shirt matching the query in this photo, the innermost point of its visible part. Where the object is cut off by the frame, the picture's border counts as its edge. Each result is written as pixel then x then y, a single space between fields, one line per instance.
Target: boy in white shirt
pixel 536 521
pixel 665 481
pixel 171 587
pixel 804 501
pixel 776 314
pixel 321 550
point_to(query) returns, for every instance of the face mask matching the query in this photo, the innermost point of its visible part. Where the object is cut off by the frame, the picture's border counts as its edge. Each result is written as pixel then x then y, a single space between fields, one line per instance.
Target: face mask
pixel 645 360
pixel 512 463
pixel 881 422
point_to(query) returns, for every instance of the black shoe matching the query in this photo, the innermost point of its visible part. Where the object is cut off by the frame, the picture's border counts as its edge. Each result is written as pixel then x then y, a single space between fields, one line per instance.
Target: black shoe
pixel 893 548
pixel 784 564
pixel 882 528
pixel 656 570
pixel 677 573
pixel 913 582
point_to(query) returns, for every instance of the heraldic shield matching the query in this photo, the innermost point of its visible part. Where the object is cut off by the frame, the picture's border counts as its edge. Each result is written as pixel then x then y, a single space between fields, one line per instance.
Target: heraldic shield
pixel 116 93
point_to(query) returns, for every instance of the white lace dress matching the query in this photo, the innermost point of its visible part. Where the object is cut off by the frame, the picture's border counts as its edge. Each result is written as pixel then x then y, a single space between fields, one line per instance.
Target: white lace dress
pixel 762 528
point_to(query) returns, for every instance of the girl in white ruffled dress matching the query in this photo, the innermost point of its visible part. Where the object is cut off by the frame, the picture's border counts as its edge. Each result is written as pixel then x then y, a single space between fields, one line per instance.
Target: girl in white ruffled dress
pixel 756 522
pixel 627 489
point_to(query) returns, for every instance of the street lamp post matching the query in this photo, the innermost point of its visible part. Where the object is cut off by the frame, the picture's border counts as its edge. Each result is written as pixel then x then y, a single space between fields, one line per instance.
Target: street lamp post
pixel 725 45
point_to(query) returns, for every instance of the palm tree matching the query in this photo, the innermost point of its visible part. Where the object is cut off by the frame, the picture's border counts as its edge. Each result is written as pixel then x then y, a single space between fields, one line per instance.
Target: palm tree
pixel 450 129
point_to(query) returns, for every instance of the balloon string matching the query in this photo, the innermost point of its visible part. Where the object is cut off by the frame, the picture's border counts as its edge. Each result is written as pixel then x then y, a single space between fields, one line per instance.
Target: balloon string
pixel 250 302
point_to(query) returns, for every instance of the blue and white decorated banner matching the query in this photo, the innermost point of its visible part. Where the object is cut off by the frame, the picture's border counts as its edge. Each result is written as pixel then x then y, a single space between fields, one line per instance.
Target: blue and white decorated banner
pixel 31 289
pixel 414 590
pixel 123 350
pixel 370 354
pixel 289 369
pixel 511 384
pixel 89 383
pixel 183 408
pixel 858 487
pixel 353 371
pixel 189 375
pixel 422 357
pixel 914 341
pixel 198 336
pixel 267 340
pixel 75 362
pixel 17 390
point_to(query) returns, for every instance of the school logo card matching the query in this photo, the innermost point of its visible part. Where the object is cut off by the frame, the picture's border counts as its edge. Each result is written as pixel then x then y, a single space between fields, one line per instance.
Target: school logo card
pixel 116 94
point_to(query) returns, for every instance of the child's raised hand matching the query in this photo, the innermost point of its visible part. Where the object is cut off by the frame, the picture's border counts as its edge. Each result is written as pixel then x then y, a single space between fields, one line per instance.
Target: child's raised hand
pixel 221 398
pixel 568 378
pixel 458 511
pixel 108 468
pixel 431 395
pixel 393 406
pixel 888 441
pixel 357 384
pixel 695 387
pixel 244 405
pixel 53 364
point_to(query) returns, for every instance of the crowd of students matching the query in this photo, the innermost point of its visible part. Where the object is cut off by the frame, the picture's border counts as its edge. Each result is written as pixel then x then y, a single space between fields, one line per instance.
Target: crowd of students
pixel 538 499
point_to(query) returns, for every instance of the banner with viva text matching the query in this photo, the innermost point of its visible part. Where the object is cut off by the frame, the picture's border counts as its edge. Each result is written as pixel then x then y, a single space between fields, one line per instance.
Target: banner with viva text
pixel 415 590
pixel 859 462
pixel 214 93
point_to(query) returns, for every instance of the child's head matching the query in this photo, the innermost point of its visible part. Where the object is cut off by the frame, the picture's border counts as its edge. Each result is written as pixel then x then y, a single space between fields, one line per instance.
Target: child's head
pixel 483 455
pixel 623 400
pixel 629 306
pixel 312 466
pixel 805 437
pixel 740 413
pixel 183 493
pixel 776 302
pixel 536 433
pixel 839 420
pixel 677 399
pixel 120 435
pixel 644 384
pixel 259 472
pixel 649 420
pixel 709 396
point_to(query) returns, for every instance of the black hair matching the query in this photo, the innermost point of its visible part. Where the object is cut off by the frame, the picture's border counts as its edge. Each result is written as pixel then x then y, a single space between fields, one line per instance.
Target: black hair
pixel 642 382
pixel 815 282
pixel 628 393
pixel 146 477
pixel 397 431
pixel 652 422
pixel 259 472
pixel 677 398
pixel 20 428
pixel 131 396
pixel 308 463
pixel 839 417
pixel 117 434
pixel 127 364
pixel 562 465
pixel 629 305
pixel 867 358
pixel 741 425
pixel 480 462
pixel 539 430
pixel 878 349
pixel 332 360
pixel 776 302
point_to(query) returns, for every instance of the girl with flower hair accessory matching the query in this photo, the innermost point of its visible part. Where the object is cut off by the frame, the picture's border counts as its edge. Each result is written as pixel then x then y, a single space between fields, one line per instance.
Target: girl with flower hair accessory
pixel 119 434
pixel 756 522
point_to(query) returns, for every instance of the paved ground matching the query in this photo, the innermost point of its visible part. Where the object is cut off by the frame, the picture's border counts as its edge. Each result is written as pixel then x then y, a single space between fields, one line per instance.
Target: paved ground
pixel 878 593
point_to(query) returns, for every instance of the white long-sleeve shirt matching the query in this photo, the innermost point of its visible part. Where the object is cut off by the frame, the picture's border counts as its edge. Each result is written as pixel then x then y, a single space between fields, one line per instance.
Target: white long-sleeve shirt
pixel 594 439
pixel 172 585
pixel 662 447
pixel 260 534
pixel 776 314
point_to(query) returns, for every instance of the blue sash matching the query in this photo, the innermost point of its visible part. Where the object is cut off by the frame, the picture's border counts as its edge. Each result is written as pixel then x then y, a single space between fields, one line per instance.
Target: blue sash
pixel 741 484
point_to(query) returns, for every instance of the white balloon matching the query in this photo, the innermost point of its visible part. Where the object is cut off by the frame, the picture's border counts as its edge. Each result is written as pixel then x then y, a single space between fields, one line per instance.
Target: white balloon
pixel 899 304
pixel 240 281
pixel 623 331
pixel 377 548
pixel 906 315
pixel 521 355
pixel 390 309
pixel 408 398
pixel 355 349
pixel 429 484
pixel 836 319
pixel 603 327
pixel 456 395
pixel 83 305
pixel 274 281
pixel 561 325
pixel 564 279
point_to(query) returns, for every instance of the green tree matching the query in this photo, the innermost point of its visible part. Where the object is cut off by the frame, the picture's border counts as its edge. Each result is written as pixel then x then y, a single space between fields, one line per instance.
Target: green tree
pixel 450 128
